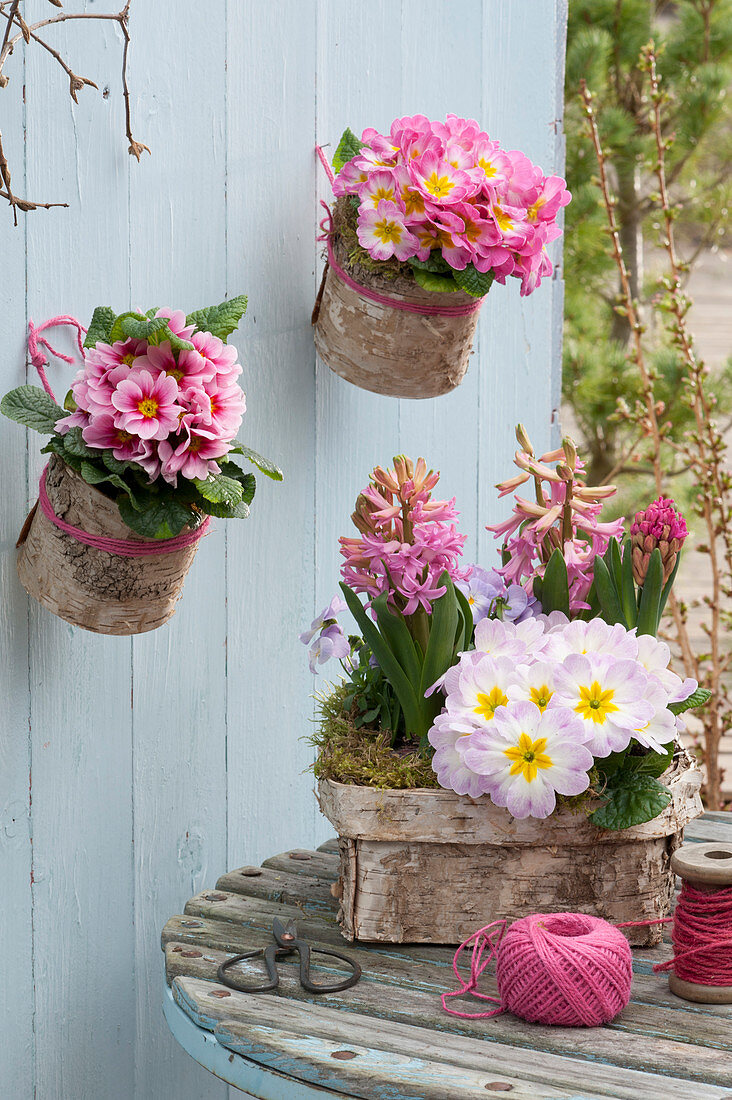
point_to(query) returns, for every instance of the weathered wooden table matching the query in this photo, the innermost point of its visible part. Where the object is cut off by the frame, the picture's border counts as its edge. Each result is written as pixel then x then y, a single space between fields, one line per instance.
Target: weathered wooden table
pixel 387 1038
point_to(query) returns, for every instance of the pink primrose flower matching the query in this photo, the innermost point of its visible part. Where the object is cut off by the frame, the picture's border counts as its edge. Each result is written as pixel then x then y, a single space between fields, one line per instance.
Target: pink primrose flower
pixel 220 410
pixel 380 186
pixel 439 181
pixel 447 736
pixel 102 432
pixel 147 405
pixel 351 176
pixel 188 368
pixel 223 358
pixel 176 322
pixel 383 233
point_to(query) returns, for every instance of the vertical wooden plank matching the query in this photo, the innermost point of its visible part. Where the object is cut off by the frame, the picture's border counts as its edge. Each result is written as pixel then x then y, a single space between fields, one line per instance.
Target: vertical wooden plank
pixel 16 924
pixel 271 253
pixel 445 429
pixel 520 377
pixel 178 258
pixel 355 430
pixel 80 711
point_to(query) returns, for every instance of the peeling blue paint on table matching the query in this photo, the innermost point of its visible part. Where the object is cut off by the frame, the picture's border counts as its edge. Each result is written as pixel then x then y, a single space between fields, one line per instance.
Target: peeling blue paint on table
pixel 387 1038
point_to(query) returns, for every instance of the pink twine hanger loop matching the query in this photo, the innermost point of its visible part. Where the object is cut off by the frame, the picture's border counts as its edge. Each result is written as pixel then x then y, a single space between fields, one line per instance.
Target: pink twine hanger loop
pixel 426 310
pixel 124 548
pixel 37 357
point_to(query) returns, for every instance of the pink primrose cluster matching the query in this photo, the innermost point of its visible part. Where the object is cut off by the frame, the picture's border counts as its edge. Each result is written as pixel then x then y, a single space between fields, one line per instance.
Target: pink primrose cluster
pixel 170 412
pixel 407 540
pixel 446 187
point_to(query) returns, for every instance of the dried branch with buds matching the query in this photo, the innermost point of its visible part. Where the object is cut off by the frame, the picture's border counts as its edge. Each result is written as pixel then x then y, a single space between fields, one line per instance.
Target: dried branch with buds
pixel 703 449
pixel 10 12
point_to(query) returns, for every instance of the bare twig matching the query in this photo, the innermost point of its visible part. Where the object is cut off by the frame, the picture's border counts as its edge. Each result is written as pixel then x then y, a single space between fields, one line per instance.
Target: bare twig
pixel 9 11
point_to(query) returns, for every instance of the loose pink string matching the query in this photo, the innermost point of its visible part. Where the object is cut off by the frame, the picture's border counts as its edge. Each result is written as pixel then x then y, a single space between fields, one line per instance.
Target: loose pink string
pixel 37 357
pixel 326 226
pixel 481 939
pixel 125 548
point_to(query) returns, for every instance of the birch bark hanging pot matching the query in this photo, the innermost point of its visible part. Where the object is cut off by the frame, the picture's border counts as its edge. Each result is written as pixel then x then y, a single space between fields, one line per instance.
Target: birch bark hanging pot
pixel 141 459
pixel 391 336
pixel 107 592
pixel 426 219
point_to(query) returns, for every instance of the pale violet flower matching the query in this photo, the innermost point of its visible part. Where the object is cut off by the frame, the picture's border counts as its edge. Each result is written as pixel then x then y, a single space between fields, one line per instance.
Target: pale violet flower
pixel 609 695
pixel 331 642
pixel 661 728
pixel 488 595
pixel 328 615
pixel 499 639
pixel 526 757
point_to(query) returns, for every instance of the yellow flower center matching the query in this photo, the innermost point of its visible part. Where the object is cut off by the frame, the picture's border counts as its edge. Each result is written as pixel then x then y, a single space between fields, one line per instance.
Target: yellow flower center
pixel 413 201
pixel 388 231
pixel 540 696
pixel 488 167
pixel 534 209
pixel 122 437
pixel 528 756
pixel 503 220
pixel 128 359
pixel 439 186
pixel 174 372
pixel 148 407
pixel 595 704
pixel 382 193
pixel 487 703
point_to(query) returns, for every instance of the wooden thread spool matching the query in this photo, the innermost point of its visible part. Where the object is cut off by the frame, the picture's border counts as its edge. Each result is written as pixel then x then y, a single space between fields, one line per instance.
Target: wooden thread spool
pixel 708 868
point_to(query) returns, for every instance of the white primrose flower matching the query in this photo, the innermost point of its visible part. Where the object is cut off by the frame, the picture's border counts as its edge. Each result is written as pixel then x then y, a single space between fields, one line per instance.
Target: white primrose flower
pixel 534 684
pixel 447 735
pixel 608 694
pixel 482 686
pixel 527 757
pixel 655 657
pixel 597 636
pixel 661 728
pixel 502 639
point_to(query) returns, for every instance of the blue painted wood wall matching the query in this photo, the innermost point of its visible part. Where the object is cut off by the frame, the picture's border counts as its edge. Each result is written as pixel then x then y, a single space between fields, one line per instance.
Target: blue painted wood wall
pixel 132 772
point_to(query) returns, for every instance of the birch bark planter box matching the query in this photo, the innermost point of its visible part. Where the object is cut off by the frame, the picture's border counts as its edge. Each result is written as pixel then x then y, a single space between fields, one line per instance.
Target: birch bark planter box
pixel 97 590
pixel 402 347
pixel 431 866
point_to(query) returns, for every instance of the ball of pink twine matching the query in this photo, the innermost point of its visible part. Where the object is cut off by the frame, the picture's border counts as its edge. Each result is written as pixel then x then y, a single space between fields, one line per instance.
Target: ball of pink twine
pixel 567 969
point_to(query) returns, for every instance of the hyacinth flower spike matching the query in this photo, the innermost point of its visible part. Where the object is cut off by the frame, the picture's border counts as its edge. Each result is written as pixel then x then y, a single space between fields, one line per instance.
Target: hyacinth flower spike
pixel 649 559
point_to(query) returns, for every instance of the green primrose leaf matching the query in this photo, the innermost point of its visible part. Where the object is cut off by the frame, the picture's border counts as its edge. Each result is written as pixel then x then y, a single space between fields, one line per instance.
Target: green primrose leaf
pixel 435 262
pixel 263 464
pixel 633 800
pixel 223 511
pixel 33 407
pixel 220 489
pixel 348 147
pixel 74 445
pixel 474 282
pixel 699 698
pixel 94 475
pixel 440 284
pixel 246 480
pixel 220 320
pixel 650 601
pixel 160 518
pixel 100 326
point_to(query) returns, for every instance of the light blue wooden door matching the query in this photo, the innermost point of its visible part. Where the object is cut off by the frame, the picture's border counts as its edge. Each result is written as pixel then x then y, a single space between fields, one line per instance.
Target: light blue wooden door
pixel 132 772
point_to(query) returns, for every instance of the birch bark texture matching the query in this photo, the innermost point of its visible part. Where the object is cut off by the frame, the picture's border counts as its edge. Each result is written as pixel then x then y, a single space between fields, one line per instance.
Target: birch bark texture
pixel 133 771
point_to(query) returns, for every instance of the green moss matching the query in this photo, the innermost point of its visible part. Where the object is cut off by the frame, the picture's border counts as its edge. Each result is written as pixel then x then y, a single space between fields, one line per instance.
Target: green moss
pixel 345 221
pixel 364 756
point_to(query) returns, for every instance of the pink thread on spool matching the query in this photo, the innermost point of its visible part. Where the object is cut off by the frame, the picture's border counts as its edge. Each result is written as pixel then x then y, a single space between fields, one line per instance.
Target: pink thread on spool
pixel 566 969
pixel 701 969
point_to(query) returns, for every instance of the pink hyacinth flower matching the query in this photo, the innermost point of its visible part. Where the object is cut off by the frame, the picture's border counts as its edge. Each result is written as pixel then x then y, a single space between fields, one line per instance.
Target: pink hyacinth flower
pixel 383 234
pixel 147 405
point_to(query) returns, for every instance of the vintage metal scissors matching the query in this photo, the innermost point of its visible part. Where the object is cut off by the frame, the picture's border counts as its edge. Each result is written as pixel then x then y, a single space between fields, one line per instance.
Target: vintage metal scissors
pixel 287 942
